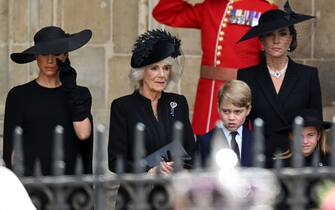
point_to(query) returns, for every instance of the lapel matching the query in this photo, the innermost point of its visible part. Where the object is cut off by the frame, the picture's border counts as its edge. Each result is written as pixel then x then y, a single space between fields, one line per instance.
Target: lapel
pixel 246 154
pixel 263 79
pixel 289 82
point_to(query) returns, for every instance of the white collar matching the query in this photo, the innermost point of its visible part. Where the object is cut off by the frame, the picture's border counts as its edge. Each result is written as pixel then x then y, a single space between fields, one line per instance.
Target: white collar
pixel 227 132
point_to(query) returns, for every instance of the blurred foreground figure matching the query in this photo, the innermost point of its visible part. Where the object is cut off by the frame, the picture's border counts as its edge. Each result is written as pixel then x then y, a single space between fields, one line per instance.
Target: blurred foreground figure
pixel 13 195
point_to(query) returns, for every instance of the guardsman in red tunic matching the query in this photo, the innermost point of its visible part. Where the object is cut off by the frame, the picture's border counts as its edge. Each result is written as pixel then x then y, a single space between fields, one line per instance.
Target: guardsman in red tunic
pixel 222 24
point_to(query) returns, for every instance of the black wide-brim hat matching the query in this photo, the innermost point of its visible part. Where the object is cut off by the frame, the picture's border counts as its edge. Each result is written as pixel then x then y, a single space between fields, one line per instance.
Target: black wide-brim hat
pixel 52 40
pixel 311 118
pixel 275 19
pixel 154 46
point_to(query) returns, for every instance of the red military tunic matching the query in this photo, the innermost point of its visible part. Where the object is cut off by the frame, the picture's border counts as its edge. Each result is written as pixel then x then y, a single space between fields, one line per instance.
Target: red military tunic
pixel 222 24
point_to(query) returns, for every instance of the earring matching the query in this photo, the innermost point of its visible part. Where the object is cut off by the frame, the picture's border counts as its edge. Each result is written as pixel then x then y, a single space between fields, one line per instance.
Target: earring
pixel 289 49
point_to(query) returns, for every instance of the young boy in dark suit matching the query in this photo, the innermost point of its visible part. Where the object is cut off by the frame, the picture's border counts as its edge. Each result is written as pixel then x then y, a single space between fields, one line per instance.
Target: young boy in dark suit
pixel 234 105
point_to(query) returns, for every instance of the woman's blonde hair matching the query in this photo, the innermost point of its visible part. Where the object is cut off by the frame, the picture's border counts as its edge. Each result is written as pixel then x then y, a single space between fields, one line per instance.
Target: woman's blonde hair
pixel 136 74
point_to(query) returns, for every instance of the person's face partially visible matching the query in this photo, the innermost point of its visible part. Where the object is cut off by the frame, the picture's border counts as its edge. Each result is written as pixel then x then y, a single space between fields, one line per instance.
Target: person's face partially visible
pixel 48 64
pixel 310 138
pixel 277 43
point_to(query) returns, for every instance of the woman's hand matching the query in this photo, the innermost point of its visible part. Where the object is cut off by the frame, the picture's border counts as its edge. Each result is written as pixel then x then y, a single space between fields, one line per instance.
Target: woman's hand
pixel 79 99
pixel 164 168
pixel 67 74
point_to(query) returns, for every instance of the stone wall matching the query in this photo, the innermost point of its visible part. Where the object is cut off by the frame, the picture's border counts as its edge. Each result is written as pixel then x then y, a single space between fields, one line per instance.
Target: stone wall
pixel 103 64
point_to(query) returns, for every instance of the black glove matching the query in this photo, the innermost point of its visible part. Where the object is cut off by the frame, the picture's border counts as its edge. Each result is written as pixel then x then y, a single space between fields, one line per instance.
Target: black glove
pixel 67 74
pixel 79 98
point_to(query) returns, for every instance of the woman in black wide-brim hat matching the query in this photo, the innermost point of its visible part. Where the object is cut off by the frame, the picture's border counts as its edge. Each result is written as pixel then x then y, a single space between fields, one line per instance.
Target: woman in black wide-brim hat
pixel 279 85
pixel 52 99
pixel 154 65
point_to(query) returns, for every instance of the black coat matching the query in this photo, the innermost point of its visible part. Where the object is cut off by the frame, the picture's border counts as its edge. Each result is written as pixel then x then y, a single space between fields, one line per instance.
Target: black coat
pixel 300 90
pixel 128 110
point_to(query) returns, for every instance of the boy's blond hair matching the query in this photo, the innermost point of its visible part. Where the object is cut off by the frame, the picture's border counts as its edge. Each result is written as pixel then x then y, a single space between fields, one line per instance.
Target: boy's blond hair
pixel 235 91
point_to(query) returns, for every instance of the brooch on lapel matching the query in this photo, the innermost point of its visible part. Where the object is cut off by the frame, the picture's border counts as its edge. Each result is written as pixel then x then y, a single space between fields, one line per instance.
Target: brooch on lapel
pixel 173 105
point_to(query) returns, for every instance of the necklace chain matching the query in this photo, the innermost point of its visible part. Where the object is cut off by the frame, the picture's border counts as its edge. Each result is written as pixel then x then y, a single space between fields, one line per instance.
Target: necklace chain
pixel 277 74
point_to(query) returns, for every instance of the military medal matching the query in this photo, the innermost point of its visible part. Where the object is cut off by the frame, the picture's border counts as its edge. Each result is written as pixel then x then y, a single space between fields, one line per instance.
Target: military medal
pixel 244 17
pixel 254 18
pixel 232 18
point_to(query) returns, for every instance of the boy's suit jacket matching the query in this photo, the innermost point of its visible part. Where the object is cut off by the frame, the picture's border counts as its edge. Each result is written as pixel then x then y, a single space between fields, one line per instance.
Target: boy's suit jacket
pixel 204 146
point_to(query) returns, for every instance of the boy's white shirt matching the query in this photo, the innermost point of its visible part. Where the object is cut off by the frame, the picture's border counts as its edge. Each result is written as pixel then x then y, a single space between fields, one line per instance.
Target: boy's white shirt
pixel 227 134
pixel 13 195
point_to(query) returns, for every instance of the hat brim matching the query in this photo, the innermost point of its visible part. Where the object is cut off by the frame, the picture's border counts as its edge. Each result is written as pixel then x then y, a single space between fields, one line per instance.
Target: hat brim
pixel 58 46
pixel 287 129
pixel 268 27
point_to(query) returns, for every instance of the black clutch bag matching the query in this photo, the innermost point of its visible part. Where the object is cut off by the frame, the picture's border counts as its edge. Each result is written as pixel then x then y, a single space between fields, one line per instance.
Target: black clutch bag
pixel 164 154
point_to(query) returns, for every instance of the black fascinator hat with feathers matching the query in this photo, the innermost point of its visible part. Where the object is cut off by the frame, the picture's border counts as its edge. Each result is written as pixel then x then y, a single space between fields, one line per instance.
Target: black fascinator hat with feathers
pixel 154 46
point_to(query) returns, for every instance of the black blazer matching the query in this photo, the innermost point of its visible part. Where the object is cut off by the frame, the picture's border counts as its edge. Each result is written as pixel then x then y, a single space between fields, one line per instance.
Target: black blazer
pixel 300 90
pixel 204 142
pixel 128 110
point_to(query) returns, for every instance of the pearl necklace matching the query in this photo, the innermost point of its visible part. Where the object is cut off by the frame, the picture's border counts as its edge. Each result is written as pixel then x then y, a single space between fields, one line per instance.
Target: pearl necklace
pixel 277 74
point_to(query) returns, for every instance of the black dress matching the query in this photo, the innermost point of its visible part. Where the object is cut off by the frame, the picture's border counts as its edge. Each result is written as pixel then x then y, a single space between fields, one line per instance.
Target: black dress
pixel 128 110
pixel 38 110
